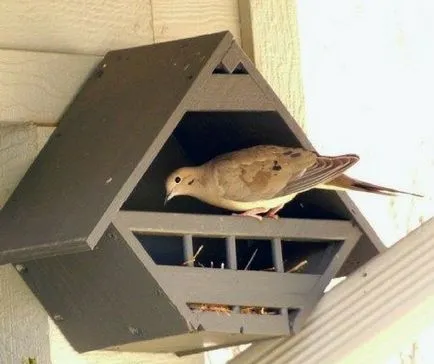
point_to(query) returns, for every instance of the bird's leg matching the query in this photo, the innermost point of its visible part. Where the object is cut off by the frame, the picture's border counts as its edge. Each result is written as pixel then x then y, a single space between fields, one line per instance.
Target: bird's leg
pixel 253 213
pixel 273 212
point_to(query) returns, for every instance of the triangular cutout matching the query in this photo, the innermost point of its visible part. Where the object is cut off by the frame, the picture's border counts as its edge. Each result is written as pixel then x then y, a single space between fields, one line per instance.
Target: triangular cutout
pixel 220 69
pixel 240 70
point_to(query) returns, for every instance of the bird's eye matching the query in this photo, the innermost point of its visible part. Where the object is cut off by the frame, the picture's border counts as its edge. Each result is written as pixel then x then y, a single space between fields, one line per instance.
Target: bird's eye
pixel 177 179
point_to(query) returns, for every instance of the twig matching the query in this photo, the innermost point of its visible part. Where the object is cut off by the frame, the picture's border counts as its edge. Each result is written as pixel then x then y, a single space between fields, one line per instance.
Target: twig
pixel 297 267
pixel 210 308
pixel 192 260
pixel 251 259
pixel 255 310
pixel 270 269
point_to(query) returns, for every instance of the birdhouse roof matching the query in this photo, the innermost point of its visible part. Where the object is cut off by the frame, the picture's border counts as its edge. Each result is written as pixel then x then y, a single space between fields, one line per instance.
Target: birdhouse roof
pixel 125 113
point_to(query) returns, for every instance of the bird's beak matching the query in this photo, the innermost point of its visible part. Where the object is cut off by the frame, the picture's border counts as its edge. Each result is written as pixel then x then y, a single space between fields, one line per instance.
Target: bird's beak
pixel 169 196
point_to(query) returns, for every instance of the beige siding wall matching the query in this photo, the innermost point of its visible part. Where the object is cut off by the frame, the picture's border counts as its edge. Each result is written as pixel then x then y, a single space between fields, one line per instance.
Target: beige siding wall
pixel 95 26
pixel 37 81
pixel 269 33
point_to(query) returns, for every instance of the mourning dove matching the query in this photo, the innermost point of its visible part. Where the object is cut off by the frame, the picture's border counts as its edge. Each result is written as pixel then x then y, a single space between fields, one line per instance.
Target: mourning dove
pixel 263 178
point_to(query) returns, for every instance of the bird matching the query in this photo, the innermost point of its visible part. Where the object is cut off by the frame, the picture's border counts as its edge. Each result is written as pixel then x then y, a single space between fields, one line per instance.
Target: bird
pixel 262 179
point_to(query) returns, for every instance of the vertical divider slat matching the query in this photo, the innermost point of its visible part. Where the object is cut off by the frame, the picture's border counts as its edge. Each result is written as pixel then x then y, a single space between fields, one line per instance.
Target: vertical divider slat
pixel 276 248
pixel 231 258
pixel 188 249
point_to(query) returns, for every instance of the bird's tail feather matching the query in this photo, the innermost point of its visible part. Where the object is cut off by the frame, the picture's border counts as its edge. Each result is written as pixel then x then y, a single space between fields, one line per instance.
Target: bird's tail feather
pixel 344 182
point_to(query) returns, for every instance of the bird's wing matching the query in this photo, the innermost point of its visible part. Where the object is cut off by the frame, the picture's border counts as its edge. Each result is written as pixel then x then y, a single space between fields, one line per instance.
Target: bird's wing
pixel 324 170
pixel 265 172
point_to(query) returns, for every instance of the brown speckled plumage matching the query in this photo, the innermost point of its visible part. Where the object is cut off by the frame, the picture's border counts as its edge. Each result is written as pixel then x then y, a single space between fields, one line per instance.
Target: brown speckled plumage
pixel 263 178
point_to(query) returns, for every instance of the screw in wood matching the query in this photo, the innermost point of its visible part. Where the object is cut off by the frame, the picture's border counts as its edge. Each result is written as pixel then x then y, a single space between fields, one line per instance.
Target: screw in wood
pixel 58 317
pixel 20 268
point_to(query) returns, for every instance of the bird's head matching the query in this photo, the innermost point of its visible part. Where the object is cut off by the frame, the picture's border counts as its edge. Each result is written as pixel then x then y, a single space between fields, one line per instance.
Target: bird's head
pixel 182 181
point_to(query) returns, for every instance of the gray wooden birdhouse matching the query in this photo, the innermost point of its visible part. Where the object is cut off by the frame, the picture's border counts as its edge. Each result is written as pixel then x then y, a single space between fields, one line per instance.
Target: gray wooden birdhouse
pixel 89 233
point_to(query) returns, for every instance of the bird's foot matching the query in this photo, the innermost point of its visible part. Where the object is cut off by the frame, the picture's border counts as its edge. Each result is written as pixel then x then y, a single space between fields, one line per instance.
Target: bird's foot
pixel 272 214
pixel 253 213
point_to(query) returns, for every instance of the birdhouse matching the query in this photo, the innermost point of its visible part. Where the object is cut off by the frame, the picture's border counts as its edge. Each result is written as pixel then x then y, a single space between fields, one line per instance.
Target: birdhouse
pixel 115 268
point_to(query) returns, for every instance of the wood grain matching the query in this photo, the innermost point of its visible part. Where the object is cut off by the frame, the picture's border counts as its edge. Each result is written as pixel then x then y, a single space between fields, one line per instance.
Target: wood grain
pixel 175 19
pixel 38 86
pixel 19 145
pixel 75 26
pixel 270 37
pixel 18 149
pixel 269 289
pixel 23 322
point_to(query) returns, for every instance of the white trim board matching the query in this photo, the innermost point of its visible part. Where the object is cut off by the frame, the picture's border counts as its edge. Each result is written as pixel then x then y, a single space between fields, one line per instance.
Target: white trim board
pixel 381 306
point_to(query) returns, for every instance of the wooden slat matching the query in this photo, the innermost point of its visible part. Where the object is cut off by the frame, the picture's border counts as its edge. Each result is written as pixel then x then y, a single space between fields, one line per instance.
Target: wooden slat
pixel 231 252
pixel 177 19
pixel 212 225
pixel 188 249
pixel 75 26
pixel 261 324
pixel 232 58
pixel 276 247
pixel 264 289
pixel 37 87
pixel 231 92
pixel 277 254
pixel 231 260
pixel 340 255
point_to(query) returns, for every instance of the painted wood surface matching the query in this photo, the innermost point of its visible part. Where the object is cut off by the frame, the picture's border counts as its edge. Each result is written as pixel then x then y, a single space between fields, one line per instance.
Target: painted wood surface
pixel 36 87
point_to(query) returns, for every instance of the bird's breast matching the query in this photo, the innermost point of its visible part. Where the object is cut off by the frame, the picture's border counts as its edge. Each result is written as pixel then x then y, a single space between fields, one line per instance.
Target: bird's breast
pixel 244 206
